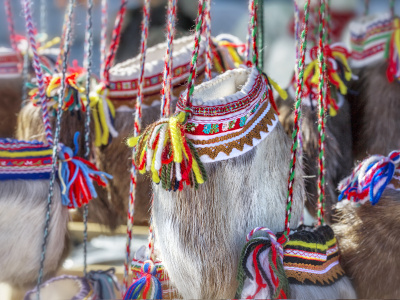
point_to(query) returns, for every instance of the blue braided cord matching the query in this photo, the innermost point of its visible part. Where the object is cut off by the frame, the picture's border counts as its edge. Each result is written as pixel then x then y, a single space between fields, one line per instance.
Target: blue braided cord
pixel 387 173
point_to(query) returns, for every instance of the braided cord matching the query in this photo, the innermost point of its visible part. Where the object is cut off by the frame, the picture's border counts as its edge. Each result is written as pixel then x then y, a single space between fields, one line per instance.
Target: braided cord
pixel 196 50
pixel 322 113
pixel 366 7
pixel 295 134
pixel 115 39
pixel 392 7
pixel 260 17
pixel 56 138
pixel 10 21
pixel 88 64
pixel 249 32
pixel 254 29
pixel 30 28
pixel 43 16
pixel 167 76
pixel 207 28
pixel 137 128
pixel 328 21
pixel 103 41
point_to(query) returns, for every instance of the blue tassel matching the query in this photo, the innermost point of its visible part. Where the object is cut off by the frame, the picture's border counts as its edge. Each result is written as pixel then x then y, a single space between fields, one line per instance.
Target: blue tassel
pixel 147 286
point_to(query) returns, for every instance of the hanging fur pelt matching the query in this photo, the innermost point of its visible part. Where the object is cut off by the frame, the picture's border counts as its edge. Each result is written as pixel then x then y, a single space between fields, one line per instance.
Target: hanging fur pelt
pixel 22 215
pixel 369 241
pixel 375 111
pixel 338 149
pixel 10 103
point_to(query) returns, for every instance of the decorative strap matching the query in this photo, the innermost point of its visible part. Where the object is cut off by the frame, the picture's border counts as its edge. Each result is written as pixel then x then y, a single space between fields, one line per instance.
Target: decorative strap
pixel 116 35
pixel 10 21
pixel 207 33
pixel 297 115
pixel 30 28
pixel 369 179
pixel 137 128
pixel 166 91
pixel 322 114
pixel 196 49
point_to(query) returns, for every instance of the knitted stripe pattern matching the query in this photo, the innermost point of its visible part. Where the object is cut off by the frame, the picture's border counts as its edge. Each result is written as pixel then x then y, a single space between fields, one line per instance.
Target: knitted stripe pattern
pixel 321 114
pixel 166 90
pixel 311 257
pixel 295 134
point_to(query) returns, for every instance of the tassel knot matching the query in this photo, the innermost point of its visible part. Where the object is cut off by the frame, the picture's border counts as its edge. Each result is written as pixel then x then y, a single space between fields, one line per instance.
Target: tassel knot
pixel 369 179
pixel 76 177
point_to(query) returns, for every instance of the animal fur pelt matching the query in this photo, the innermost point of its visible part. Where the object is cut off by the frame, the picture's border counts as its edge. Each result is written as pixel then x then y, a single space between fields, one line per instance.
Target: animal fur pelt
pixel 338 150
pixel 22 215
pixel 200 234
pixel 375 112
pixel 10 104
pixel 369 242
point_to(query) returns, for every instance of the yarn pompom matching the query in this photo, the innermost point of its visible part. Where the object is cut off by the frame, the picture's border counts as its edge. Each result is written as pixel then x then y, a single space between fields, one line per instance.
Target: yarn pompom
pixel 369 179
pixel 261 274
pixel 76 177
pixel 164 150
pixel 147 286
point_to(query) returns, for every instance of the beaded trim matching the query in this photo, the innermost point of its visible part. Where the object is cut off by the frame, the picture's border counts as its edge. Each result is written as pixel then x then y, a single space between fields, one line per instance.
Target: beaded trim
pixel 230 126
pixel 10 63
pixel 312 257
pixel 369 36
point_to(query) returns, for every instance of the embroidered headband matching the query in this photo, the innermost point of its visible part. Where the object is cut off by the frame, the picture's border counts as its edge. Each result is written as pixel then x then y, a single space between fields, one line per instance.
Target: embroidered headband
pixel 232 124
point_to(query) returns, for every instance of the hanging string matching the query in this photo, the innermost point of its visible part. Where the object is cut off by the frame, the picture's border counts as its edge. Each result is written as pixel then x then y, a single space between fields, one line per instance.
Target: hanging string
pixel 166 91
pixel 392 7
pixel 137 128
pixel 56 140
pixel 295 134
pixel 366 7
pixel 328 21
pixel 62 43
pixel 253 29
pixel 88 64
pixel 38 70
pixel 10 21
pixel 321 113
pixel 249 31
pixel 116 35
pixel 103 39
pixel 196 49
pixel 207 28
pixel 43 16
pixel 260 17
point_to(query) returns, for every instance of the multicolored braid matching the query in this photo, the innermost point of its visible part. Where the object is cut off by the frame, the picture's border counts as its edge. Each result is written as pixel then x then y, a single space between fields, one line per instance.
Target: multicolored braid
pixel 103 41
pixel 88 64
pixel 10 22
pixel 166 87
pixel 392 7
pixel 137 128
pixel 30 28
pixel 207 29
pixel 254 29
pixel 196 49
pixel 116 35
pixel 249 32
pixel 321 113
pixel 260 20
pixel 297 115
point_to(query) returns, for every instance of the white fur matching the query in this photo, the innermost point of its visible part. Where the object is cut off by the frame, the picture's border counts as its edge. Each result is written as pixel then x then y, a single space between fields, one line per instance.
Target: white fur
pixel 22 214
pixel 201 233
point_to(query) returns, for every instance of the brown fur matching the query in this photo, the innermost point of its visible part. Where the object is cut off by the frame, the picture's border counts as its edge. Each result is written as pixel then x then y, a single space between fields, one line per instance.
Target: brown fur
pixel 369 243
pixel 10 104
pixel 338 151
pixel 375 112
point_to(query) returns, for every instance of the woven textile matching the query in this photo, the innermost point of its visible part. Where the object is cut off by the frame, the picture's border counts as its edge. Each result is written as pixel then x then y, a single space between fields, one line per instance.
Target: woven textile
pixel 24 160
pixel 231 114
pixel 312 257
pixel 10 63
pixel 369 36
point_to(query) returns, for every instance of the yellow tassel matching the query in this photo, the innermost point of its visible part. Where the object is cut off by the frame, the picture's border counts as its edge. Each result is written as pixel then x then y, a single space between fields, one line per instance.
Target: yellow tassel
pixel 309 69
pixel 347 71
pixel 277 88
pixel 332 111
pixel 176 136
pixel 342 86
pixel 132 142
